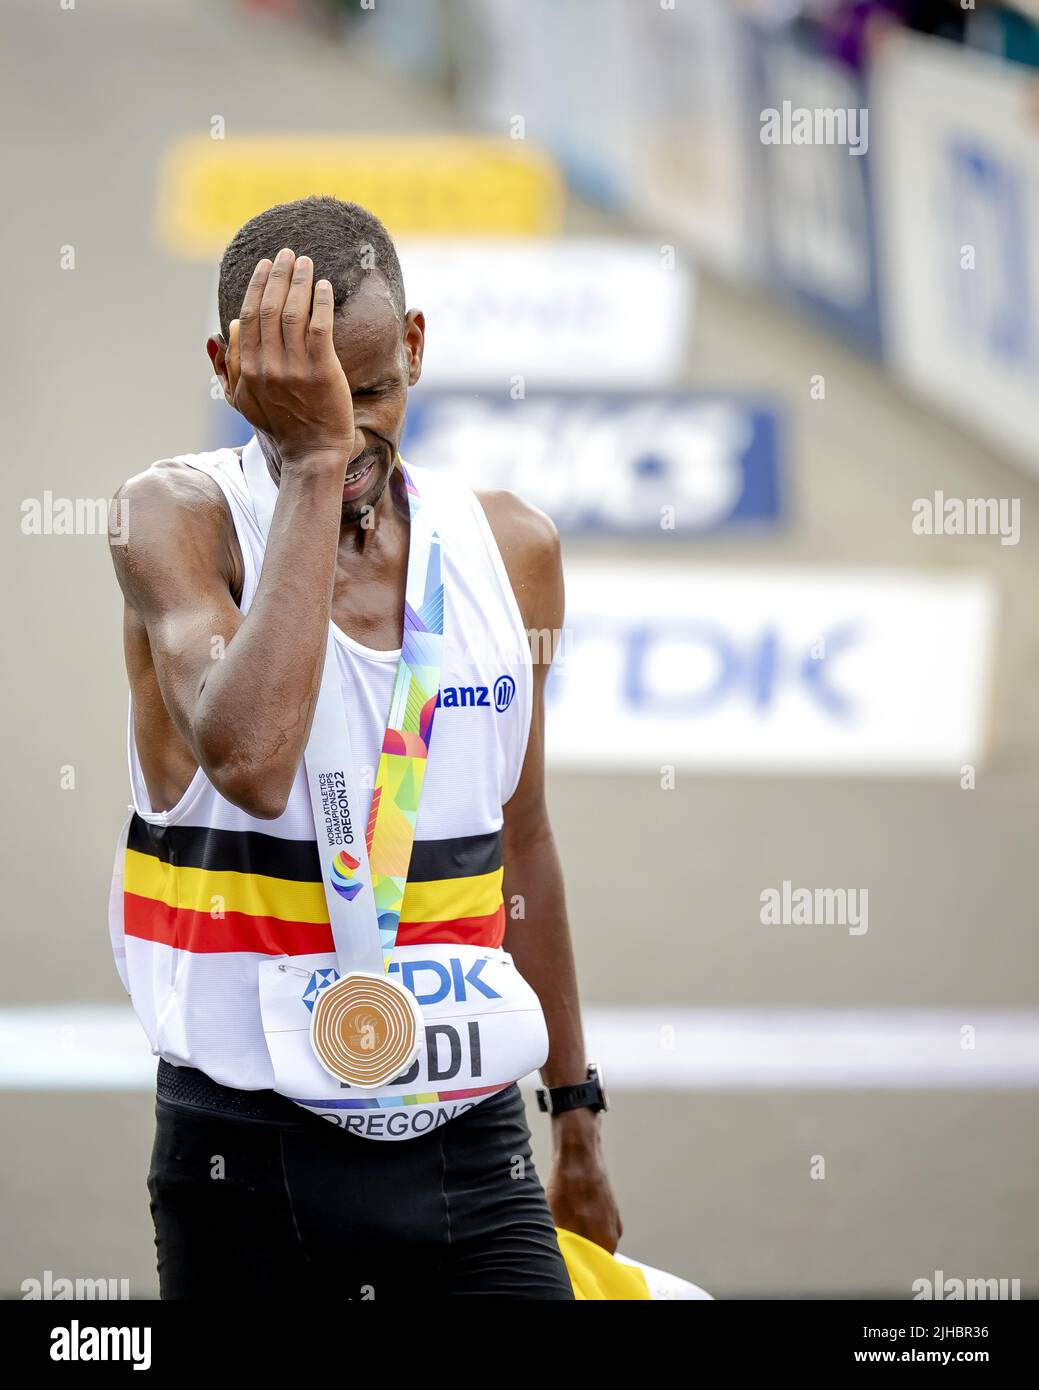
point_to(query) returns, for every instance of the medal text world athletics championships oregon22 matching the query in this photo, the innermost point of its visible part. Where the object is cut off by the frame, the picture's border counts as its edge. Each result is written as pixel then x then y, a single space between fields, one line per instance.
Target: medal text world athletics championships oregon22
pixel 336 807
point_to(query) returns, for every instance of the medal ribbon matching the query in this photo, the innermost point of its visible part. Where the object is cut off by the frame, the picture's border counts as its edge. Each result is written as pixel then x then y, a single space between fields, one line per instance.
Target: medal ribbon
pixel 364 878
pixel 405 745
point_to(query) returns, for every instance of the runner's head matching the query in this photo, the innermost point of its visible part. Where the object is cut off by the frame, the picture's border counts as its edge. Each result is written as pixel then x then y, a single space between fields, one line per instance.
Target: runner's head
pixel 377 340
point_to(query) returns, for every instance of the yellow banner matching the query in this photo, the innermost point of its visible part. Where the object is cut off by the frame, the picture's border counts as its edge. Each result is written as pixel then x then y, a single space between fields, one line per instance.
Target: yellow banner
pixel 423 185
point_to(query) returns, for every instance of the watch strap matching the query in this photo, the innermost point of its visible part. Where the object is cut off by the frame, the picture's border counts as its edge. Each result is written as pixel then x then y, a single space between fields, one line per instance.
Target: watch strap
pixel 555 1100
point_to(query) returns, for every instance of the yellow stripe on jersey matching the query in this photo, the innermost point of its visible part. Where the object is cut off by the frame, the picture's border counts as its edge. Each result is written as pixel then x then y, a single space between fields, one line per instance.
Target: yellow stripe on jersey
pixel 445 899
pixel 257 895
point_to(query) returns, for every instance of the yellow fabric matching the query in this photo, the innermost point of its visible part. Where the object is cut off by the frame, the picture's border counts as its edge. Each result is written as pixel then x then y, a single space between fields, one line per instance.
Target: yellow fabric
pixel 445 899
pixel 257 895
pixel 595 1274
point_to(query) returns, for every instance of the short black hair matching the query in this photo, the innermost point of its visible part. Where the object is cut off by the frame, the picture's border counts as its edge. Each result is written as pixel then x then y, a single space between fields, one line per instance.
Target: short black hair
pixel 345 241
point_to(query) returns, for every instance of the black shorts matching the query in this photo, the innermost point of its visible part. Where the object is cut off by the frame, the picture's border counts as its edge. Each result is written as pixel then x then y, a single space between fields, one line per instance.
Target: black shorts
pixel 290 1205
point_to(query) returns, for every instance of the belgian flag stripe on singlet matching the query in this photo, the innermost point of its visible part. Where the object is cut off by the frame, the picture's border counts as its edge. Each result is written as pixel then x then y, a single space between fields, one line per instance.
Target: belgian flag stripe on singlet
pixel 249 852
pixel 201 889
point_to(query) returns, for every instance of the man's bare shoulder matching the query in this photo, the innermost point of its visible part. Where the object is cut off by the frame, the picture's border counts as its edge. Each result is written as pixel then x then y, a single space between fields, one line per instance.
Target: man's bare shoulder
pixel 171 486
pixel 169 515
pixel 519 527
pixel 529 545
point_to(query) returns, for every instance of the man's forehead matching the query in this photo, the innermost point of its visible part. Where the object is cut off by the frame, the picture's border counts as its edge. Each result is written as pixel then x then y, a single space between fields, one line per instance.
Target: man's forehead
pixel 367 330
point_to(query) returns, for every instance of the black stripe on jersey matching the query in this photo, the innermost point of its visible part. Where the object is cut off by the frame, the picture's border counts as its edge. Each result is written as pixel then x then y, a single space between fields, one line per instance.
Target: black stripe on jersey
pixel 462 857
pixel 251 852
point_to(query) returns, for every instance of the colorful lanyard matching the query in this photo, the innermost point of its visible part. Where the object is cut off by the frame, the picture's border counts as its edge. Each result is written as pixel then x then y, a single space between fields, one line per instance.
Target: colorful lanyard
pixel 364 877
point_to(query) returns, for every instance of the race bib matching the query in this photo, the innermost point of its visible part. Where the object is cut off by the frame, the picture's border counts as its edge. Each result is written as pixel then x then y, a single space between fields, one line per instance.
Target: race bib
pixel 483 1028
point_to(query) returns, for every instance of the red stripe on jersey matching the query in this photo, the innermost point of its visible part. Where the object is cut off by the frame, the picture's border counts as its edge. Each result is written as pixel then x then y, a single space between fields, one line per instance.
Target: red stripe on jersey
pixel 464 931
pixel 187 930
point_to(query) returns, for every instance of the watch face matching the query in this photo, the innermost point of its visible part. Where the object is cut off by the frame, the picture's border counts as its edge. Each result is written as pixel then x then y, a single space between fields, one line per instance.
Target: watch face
pixel 595 1073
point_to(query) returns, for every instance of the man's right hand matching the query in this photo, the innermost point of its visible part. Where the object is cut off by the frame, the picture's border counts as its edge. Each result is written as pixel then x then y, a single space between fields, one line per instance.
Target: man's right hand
pixel 242 707
pixel 282 370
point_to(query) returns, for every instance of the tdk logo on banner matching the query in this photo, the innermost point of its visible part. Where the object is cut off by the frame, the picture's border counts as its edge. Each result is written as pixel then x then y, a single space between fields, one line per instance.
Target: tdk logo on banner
pixel 478 696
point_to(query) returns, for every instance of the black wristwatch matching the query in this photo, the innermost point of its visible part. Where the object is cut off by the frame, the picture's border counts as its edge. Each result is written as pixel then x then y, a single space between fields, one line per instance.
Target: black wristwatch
pixel 591 1093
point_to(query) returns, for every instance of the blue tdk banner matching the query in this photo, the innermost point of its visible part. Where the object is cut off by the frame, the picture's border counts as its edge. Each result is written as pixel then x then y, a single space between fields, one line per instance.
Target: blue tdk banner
pixel 616 462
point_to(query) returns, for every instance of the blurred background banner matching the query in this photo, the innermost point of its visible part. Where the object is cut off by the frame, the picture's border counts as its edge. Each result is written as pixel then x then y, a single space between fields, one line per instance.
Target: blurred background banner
pixel 424 183
pixel 744 669
pixel 675 463
pixel 817 205
pixel 696 169
pixel 961 204
pixel 536 313
pixel 744 295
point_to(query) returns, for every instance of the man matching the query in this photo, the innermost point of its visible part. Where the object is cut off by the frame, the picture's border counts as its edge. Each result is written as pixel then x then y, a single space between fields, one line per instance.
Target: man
pixel 254 581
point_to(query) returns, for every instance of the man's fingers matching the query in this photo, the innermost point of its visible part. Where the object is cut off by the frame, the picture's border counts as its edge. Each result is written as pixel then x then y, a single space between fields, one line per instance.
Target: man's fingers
pixel 233 359
pixel 297 307
pixel 319 337
pixel 273 302
pixel 249 315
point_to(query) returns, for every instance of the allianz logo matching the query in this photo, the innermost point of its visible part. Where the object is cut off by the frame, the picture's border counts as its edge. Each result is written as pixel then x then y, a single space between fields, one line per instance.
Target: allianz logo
pixel 500 695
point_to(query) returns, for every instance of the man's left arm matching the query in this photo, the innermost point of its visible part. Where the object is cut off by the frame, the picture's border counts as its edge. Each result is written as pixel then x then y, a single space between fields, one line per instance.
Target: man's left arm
pixel 537 933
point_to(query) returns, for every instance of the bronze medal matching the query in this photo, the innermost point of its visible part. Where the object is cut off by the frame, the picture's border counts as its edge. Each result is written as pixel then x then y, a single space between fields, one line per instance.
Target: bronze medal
pixel 365 1029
